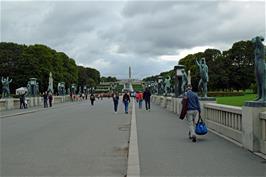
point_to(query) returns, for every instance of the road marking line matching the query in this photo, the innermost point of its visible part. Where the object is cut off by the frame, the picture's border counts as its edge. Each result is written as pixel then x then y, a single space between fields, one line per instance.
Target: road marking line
pixel 133 167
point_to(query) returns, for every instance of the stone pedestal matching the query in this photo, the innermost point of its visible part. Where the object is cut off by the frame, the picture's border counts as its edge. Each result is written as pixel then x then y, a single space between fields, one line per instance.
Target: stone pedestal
pixel 251 127
pixel 10 103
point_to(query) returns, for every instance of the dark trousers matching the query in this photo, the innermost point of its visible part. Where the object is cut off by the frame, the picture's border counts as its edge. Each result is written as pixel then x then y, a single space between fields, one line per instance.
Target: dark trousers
pixel 50 103
pixel 115 105
pixel 92 101
pixel 22 104
pixel 148 104
pixel 45 104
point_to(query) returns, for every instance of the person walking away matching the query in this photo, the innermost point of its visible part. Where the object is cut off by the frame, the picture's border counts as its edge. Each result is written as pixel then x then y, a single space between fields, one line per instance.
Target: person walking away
pixel 137 96
pixel 45 99
pixel 115 100
pixel 193 112
pixel 50 97
pixel 147 98
pixel 22 101
pixel 126 101
pixel 92 98
pixel 140 100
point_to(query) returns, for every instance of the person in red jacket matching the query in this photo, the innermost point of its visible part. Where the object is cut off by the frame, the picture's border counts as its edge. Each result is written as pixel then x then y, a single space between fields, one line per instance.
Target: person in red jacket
pixel 139 98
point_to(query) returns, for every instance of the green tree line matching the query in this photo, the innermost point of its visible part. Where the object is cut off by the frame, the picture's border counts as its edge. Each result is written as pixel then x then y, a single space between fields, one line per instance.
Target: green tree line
pixel 232 69
pixel 21 62
pixel 108 79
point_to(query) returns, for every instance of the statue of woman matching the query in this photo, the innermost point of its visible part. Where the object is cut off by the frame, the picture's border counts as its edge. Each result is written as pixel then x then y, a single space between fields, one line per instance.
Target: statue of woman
pixel 184 81
pixel 260 67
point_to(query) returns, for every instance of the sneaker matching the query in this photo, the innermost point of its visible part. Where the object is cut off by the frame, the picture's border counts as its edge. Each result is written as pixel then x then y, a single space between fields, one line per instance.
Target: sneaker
pixel 194 139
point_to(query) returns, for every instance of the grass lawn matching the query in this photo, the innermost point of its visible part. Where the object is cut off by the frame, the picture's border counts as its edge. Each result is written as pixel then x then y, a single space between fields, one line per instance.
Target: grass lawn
pixel 235 100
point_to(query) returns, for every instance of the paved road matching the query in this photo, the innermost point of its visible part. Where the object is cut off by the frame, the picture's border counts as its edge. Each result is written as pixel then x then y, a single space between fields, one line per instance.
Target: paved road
pixel 165 150
pixel 75 139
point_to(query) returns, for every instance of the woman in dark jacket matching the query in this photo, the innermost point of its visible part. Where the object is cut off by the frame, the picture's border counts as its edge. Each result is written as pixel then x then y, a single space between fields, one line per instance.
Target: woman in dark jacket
pixel 126 100
pixel 115 100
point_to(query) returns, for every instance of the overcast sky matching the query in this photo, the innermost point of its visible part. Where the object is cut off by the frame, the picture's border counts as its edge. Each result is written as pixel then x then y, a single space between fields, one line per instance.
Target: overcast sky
pixel 149 36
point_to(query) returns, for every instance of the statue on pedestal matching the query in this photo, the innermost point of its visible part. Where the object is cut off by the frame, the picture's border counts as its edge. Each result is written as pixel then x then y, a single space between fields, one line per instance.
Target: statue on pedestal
pixel 33 87
pixel 260 68
pixel 50 86
pixel 167 85
pixel 61 88
pixel 184 81
pixel 204 78
pixel 5 87
pixel 73 88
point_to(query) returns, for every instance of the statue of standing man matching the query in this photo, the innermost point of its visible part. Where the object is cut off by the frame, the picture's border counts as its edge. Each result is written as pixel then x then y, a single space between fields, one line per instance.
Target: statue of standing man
pixel 260 68
pixel 204 78
pixel 167 85
pixel 184 81
pixel 5 87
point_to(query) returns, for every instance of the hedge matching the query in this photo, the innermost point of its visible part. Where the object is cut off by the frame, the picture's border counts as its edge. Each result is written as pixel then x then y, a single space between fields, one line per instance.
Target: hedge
pixel 220 94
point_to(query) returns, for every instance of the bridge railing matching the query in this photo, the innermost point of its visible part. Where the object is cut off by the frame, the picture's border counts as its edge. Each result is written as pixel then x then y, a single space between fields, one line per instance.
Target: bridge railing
pixel 263 131
pixel 244 125
pixel 226 120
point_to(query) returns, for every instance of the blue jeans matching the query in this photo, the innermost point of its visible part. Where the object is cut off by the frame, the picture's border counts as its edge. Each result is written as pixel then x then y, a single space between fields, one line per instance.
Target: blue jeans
pixel 126 106
pixel 140 104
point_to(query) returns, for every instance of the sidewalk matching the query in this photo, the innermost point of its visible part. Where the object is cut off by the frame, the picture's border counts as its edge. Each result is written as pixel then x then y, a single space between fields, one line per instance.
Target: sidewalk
pixel 14 112
pixel 165 150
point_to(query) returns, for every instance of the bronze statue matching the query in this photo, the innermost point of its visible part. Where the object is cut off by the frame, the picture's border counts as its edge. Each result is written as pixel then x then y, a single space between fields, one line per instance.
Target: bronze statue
pixel 204 76
pixel 184 81
pixel 167 85
pixel 260 68
pixel 5 88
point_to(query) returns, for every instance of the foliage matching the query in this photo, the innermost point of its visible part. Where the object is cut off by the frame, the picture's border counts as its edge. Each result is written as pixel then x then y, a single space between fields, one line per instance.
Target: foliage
pixel 108 79
pixel 227 70
pixel 21 62
pixel 88 76
pixel 137 87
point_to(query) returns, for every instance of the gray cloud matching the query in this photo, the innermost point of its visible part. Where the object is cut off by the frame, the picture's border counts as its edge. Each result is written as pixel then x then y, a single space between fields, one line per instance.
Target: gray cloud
pixel 110 36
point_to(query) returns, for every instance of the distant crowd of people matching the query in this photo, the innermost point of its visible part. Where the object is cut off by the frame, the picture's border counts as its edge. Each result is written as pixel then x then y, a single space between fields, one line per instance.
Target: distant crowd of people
pixel 190 104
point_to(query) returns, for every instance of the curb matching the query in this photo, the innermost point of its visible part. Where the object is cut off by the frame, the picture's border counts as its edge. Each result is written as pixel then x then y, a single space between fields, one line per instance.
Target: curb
pixel 133 166
pixel 20 113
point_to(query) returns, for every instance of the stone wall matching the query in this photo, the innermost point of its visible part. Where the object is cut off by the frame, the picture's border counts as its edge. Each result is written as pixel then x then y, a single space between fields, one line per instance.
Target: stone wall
pixel 14 103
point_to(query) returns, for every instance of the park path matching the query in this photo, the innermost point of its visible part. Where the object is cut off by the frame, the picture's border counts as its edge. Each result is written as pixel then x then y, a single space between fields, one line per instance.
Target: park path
pixel 165 150
pixel 72 139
